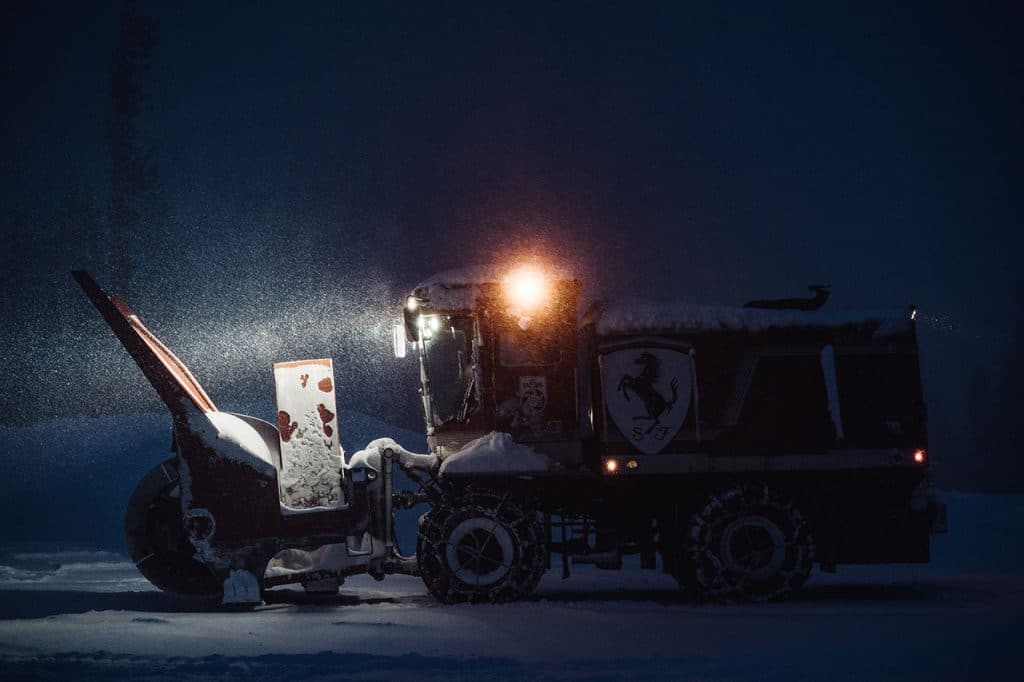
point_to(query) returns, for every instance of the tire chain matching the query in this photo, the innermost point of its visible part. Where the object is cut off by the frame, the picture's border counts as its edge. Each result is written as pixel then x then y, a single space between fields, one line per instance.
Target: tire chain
pixel 529 561
pixel 711 578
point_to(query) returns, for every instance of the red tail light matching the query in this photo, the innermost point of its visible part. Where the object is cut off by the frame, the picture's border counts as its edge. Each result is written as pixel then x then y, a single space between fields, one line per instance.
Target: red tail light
pixel 920 456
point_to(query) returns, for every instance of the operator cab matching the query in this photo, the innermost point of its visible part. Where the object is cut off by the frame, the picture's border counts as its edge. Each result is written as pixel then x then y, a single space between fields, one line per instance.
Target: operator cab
pixel 497 352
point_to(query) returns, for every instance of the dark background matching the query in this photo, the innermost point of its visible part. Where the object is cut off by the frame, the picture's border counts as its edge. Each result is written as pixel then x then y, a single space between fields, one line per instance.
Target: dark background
pixel 266 181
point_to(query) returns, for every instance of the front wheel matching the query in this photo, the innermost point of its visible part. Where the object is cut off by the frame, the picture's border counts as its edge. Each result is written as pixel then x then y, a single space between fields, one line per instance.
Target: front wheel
pixel 748 543
pixel 481 547
pixel 156 540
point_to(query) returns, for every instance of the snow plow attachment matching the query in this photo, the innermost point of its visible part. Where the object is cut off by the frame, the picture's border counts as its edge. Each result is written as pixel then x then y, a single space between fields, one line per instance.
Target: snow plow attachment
pixel 209 520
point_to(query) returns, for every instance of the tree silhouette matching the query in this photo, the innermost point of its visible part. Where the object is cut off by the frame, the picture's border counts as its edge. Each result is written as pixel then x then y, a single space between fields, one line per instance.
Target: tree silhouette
pixel 133 172
pixel 1008 465
pixel 80 236
pixel 981 430
pixel 17 259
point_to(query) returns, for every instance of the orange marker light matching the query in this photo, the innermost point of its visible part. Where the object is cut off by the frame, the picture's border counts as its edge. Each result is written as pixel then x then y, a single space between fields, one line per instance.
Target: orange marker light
pixel 611 466
pixel 527 287
pixel 919 456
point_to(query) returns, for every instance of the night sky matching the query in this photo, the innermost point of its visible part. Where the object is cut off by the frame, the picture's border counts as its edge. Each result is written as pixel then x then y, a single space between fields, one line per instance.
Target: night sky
pixel 316 161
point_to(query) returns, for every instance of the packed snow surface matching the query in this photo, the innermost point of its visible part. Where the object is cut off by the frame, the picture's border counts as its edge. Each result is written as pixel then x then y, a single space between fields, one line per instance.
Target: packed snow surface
pixel 89 615
pixel 70 610
pixel 629 315
pixel 495 453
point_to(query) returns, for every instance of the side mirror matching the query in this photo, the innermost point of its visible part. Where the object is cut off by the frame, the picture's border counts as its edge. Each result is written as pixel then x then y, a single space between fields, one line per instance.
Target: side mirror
pixel 398 338
pixel 412 332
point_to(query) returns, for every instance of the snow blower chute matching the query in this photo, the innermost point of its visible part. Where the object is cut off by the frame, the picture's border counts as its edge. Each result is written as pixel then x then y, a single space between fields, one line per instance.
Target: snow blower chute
pixel 240 491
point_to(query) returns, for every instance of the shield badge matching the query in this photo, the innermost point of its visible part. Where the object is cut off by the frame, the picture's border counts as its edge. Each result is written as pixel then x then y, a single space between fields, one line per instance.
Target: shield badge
pixel 647 393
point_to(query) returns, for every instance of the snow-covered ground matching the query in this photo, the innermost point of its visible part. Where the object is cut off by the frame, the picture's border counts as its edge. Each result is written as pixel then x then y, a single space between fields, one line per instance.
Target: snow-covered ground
pixel 71 611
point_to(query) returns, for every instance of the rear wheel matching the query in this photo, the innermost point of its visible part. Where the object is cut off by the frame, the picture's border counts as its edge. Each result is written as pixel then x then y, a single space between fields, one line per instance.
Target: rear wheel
pixel 481 547
pixel 749 544
pixel 156 540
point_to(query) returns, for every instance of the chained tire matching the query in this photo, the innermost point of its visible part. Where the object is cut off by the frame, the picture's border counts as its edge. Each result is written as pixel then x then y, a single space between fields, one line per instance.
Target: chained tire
pixel 749 544
pixel 481 547
pixel 156 540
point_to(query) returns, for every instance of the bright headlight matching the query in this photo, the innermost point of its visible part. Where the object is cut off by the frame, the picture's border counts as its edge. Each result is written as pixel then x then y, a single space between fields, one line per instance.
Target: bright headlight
pixel 428 325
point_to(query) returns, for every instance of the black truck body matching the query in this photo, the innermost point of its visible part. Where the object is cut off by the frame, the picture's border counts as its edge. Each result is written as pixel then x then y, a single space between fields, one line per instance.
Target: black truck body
pixel 656 415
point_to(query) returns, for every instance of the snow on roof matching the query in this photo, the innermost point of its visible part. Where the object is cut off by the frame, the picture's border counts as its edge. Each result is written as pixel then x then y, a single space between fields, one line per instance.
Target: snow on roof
pixel 622 316
pixel 495 453
pixel 458 289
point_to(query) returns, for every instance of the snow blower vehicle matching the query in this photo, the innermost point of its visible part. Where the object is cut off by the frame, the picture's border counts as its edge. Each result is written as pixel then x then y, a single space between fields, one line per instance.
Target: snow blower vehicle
pixel 741 446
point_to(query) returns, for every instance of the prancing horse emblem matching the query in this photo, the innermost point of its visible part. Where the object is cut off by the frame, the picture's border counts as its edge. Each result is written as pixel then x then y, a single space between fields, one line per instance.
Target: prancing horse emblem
pixel 642 386
pixel 647 393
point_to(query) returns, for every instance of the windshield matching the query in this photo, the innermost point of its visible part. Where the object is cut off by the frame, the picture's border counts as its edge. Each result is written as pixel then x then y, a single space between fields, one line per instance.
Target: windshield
pixel 518 348
pixel 449 368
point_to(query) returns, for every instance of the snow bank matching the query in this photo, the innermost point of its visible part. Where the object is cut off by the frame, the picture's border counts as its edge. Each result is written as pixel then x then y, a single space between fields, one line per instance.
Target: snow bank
pixel 495 453
pixel 70 478
pixel 69 570
pixel 629 315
